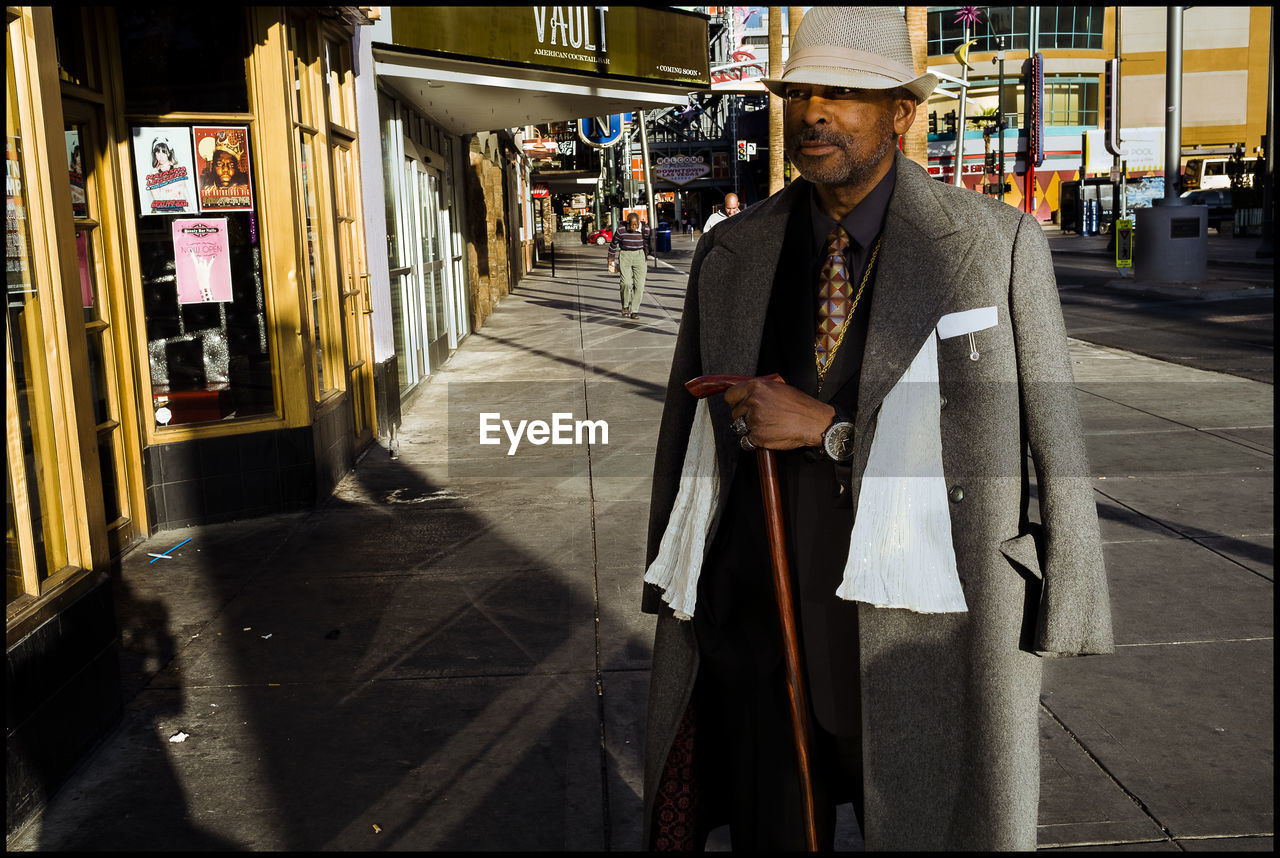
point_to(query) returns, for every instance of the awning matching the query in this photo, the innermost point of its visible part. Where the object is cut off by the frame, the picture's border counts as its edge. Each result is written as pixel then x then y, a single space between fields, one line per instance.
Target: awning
pixel 466 97
pixel 475 69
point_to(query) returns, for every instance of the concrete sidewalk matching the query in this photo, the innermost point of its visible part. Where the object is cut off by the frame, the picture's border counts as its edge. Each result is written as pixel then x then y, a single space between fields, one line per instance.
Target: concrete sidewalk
pixel 449 655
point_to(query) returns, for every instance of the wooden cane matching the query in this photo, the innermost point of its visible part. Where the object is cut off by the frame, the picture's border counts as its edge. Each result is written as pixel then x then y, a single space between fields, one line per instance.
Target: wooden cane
pixel 771 493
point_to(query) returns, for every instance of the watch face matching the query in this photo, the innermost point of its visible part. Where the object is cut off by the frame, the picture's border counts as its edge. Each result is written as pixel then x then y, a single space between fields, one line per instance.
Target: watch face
pixel 838 442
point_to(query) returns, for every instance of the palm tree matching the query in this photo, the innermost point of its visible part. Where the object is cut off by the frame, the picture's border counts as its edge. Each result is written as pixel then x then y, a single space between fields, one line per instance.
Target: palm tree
pixel 916 140
pixel 794 14
pixel 775 103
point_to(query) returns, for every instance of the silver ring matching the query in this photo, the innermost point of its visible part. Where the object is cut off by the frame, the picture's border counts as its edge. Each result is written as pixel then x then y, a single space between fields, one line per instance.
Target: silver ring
pixel 745 443
pixel 739 426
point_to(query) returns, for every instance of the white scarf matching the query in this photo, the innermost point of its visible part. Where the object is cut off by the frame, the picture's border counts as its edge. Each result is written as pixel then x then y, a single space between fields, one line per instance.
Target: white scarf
pixel 900 550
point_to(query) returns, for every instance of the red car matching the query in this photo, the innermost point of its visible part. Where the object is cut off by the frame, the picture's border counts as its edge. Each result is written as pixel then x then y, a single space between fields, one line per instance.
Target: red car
pixel 601 236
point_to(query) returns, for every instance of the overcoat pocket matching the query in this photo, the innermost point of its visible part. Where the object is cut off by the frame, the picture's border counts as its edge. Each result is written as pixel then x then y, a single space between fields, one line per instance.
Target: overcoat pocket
pixel 986 342
pixel 1023 554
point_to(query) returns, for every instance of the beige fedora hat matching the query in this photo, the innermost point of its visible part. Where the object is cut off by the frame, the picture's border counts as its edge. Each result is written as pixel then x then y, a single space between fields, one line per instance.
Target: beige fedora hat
pixel 866 47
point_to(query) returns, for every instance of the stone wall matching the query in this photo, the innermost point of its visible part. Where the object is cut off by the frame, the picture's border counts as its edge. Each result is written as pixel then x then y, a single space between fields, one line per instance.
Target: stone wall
pixel 486 229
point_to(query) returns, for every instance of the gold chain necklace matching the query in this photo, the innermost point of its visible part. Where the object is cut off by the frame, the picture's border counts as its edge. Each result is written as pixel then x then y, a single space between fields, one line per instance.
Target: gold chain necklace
pixel 831 359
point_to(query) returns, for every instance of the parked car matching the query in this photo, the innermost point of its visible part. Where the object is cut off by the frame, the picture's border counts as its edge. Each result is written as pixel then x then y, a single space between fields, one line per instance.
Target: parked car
pixel 1208 173
pixel 601 236
pixel 1221 214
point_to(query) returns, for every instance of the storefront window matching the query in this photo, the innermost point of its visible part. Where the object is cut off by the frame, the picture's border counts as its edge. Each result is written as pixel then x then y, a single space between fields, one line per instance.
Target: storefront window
pixel 206 325
pixel 76 62
pixel 36 537
pixel 306 122
pixel 200 256
pixel 312 225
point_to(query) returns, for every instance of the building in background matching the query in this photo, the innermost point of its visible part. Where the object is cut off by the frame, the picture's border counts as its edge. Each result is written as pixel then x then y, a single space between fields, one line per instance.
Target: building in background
pixel 1224 109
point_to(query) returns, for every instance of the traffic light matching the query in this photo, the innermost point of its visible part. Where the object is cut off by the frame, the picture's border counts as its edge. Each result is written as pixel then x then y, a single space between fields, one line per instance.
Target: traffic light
pixel 950 121
pixel 933 123
pixel 742 150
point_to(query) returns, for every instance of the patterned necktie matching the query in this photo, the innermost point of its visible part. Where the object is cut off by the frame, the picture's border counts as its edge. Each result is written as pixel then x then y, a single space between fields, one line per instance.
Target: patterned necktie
pixel 835 296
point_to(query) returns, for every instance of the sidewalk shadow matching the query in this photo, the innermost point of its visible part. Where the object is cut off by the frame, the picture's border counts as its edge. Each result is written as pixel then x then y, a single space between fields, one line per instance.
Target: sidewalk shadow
pixel 137 797
pixel 389 671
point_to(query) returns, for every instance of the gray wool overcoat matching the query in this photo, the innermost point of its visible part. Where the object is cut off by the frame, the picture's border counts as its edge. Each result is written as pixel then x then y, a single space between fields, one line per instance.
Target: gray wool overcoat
pixel 949 701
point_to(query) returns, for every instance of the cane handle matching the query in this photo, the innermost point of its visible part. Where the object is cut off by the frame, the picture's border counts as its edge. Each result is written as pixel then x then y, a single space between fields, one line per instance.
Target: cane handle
pixel 709 385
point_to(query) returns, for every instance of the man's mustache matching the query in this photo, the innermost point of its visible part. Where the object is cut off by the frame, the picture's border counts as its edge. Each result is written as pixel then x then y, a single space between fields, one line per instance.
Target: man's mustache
pixel 817 135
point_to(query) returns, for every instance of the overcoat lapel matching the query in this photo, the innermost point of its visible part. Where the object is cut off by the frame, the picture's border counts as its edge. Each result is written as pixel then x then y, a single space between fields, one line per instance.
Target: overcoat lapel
pixel 735 282
pixel 737 279
pixel 912 287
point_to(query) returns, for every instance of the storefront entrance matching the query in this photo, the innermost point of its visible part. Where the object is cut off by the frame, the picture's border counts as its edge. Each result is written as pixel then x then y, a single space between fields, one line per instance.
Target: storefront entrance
pixel 424 283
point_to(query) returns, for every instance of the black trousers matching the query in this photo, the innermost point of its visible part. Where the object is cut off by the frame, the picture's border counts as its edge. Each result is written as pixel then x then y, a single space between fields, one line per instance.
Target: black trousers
pixel 746 758
pixel 745 751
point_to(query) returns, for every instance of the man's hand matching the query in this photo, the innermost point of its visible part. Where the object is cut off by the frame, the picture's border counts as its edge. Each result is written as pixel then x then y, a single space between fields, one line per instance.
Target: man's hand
pixel 779 417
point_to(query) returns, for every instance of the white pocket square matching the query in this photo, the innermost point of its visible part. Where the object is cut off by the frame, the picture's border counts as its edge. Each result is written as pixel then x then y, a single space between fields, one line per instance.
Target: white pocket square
pixel 966 322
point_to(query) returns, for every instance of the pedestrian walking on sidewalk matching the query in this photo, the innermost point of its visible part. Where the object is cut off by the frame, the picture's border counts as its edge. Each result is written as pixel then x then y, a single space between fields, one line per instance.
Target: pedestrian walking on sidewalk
pixel 730 209
pixel 628 255
pixel 918 329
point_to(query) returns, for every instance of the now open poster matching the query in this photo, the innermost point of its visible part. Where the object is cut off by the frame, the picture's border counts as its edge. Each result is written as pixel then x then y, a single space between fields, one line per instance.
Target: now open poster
pixel 202 260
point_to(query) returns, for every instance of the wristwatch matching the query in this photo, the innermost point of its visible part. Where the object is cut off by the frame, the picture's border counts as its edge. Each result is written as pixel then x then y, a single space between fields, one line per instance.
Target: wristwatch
pixel 837 439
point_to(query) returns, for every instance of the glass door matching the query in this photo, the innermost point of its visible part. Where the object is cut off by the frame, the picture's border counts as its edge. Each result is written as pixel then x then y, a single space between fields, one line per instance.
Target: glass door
pixel 432 267
pixel 414 352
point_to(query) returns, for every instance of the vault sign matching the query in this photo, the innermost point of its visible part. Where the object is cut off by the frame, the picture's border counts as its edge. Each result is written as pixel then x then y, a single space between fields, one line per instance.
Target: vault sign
pixel 659 45
pixel 681 169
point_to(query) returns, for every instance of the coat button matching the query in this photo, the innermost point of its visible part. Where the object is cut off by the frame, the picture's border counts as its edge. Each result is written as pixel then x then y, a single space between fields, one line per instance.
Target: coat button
pixel 956 494
pixel 942 400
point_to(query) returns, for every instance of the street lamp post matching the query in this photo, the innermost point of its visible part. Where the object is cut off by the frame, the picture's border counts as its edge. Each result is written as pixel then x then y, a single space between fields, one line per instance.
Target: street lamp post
pixel 1171 242
pixel 1266 247
pixel 999 58
pixel 958 166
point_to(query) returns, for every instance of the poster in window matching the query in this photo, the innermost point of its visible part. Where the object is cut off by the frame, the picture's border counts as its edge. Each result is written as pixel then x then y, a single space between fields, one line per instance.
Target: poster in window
pixel 222 155
pixel 86 273
pixel 202 260
pixel 15 232
pixel 165 169
pixel 75 171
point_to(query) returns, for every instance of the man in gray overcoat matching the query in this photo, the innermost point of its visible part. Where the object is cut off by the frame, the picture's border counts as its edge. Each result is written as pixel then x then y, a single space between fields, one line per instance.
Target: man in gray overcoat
pixel 919 335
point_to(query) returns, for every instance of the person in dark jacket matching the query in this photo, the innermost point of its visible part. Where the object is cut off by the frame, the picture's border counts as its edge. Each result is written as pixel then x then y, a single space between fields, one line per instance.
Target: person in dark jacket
pixel 919 331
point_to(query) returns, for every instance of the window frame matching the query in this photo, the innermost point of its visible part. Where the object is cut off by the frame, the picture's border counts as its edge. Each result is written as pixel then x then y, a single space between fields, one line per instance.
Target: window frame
pixel 349 247
pixel 941 38
pixel 264 105
pixel 54 268
pixel 319 302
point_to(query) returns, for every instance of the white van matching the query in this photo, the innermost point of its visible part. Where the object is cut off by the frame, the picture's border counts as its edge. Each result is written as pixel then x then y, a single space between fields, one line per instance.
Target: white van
pixel 1208 173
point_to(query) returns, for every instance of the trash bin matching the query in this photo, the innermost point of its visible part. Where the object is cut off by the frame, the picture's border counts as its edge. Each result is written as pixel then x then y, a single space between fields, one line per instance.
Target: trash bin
pixel 1091 218
pixel 664 237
